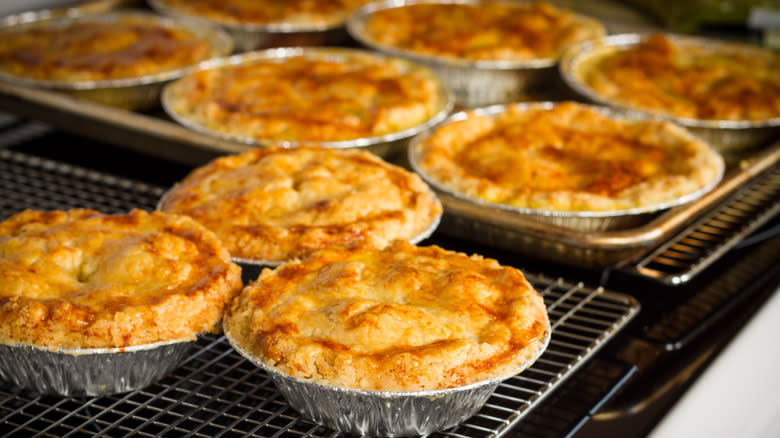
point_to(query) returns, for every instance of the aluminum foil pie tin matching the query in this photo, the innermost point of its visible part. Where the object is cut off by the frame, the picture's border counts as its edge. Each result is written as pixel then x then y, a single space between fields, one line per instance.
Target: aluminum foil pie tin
pixel 255 36
pixel 474 83
pixel 586 221
pixel 727 136
pixel 385 145
pixel 134 93
pixel 382 413
pixel 89 371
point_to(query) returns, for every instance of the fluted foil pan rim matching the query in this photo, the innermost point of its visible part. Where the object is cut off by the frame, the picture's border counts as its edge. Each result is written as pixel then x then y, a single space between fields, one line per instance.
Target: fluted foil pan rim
pixel 579 53
pixel 383 413
pixel 219 41
pixel 89 371
pixel 340 53
pixel 355 22
pixel 574 215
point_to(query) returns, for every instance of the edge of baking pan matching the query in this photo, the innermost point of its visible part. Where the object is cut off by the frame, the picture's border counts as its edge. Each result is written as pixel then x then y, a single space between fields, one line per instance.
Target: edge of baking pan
pixel 600 248
pixel 166 139
pixel 574 218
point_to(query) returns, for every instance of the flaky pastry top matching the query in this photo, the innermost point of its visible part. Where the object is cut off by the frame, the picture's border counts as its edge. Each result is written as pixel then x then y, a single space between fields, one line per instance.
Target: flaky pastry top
pixel 568 157
pixel 481 30
pixel 680 78
pixel 405 318
pixel 318 95
pixel 303 13
pixel 275 204
pixel 119 46
pixel 84 279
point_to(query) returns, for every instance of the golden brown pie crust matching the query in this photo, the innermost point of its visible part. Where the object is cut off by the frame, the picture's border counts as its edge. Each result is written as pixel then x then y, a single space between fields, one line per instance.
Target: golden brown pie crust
pixel 97 49
pixel 694 81
pixel 567 157
pixel 486 30
pixel 405 318
pixel 83 279
pixel 275 204
pixel 305 13
pixel 307 97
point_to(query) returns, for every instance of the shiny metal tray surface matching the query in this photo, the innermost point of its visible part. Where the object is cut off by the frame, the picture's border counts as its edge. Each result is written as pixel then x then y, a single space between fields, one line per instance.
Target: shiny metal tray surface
pixel 729 224
pixel 216 391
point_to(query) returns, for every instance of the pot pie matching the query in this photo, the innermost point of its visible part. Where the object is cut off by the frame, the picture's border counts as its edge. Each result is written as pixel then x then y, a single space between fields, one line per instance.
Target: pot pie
pixel 84 279
pixel 479 30
pixel 688 78
pixel 107 47
pixel 275 204
pixel 567 157
pixel 307 95
pixel 405 318
pixel 292 13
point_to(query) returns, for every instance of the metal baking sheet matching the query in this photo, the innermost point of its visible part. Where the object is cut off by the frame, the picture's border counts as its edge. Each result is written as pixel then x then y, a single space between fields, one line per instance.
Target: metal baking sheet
pixel 216 392
pixel 159 136
pixel 594 249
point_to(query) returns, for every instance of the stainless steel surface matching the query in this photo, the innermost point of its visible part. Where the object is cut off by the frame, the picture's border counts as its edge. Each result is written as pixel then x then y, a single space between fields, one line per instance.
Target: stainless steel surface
pixel 215 390
pixel 695 248
pixel 89 371
pixel 133 93
pixel 508 81
pixel 383 145
pixel 727 136
pixel 254 36
pixel 381 413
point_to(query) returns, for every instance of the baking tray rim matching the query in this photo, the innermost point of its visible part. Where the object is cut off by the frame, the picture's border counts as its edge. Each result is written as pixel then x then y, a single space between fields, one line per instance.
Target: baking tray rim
pixel 653 232
pixel 615 114
pixel 49 106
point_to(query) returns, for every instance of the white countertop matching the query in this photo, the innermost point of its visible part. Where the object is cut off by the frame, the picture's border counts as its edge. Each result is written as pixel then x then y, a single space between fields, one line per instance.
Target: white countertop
pixel 738 395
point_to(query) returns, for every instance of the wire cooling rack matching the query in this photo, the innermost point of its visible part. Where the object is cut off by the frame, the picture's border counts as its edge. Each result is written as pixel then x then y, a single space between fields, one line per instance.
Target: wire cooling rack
pixel 217 393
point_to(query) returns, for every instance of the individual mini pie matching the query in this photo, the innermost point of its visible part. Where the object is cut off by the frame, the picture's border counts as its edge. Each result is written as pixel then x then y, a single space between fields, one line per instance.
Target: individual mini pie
pixel 84 279
pixel 295 13
pixel 567 157
pixel 405 318
pixel 479 30
pixel 687 78
pixel 275 204
pixel 100 48
pixel 306 95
